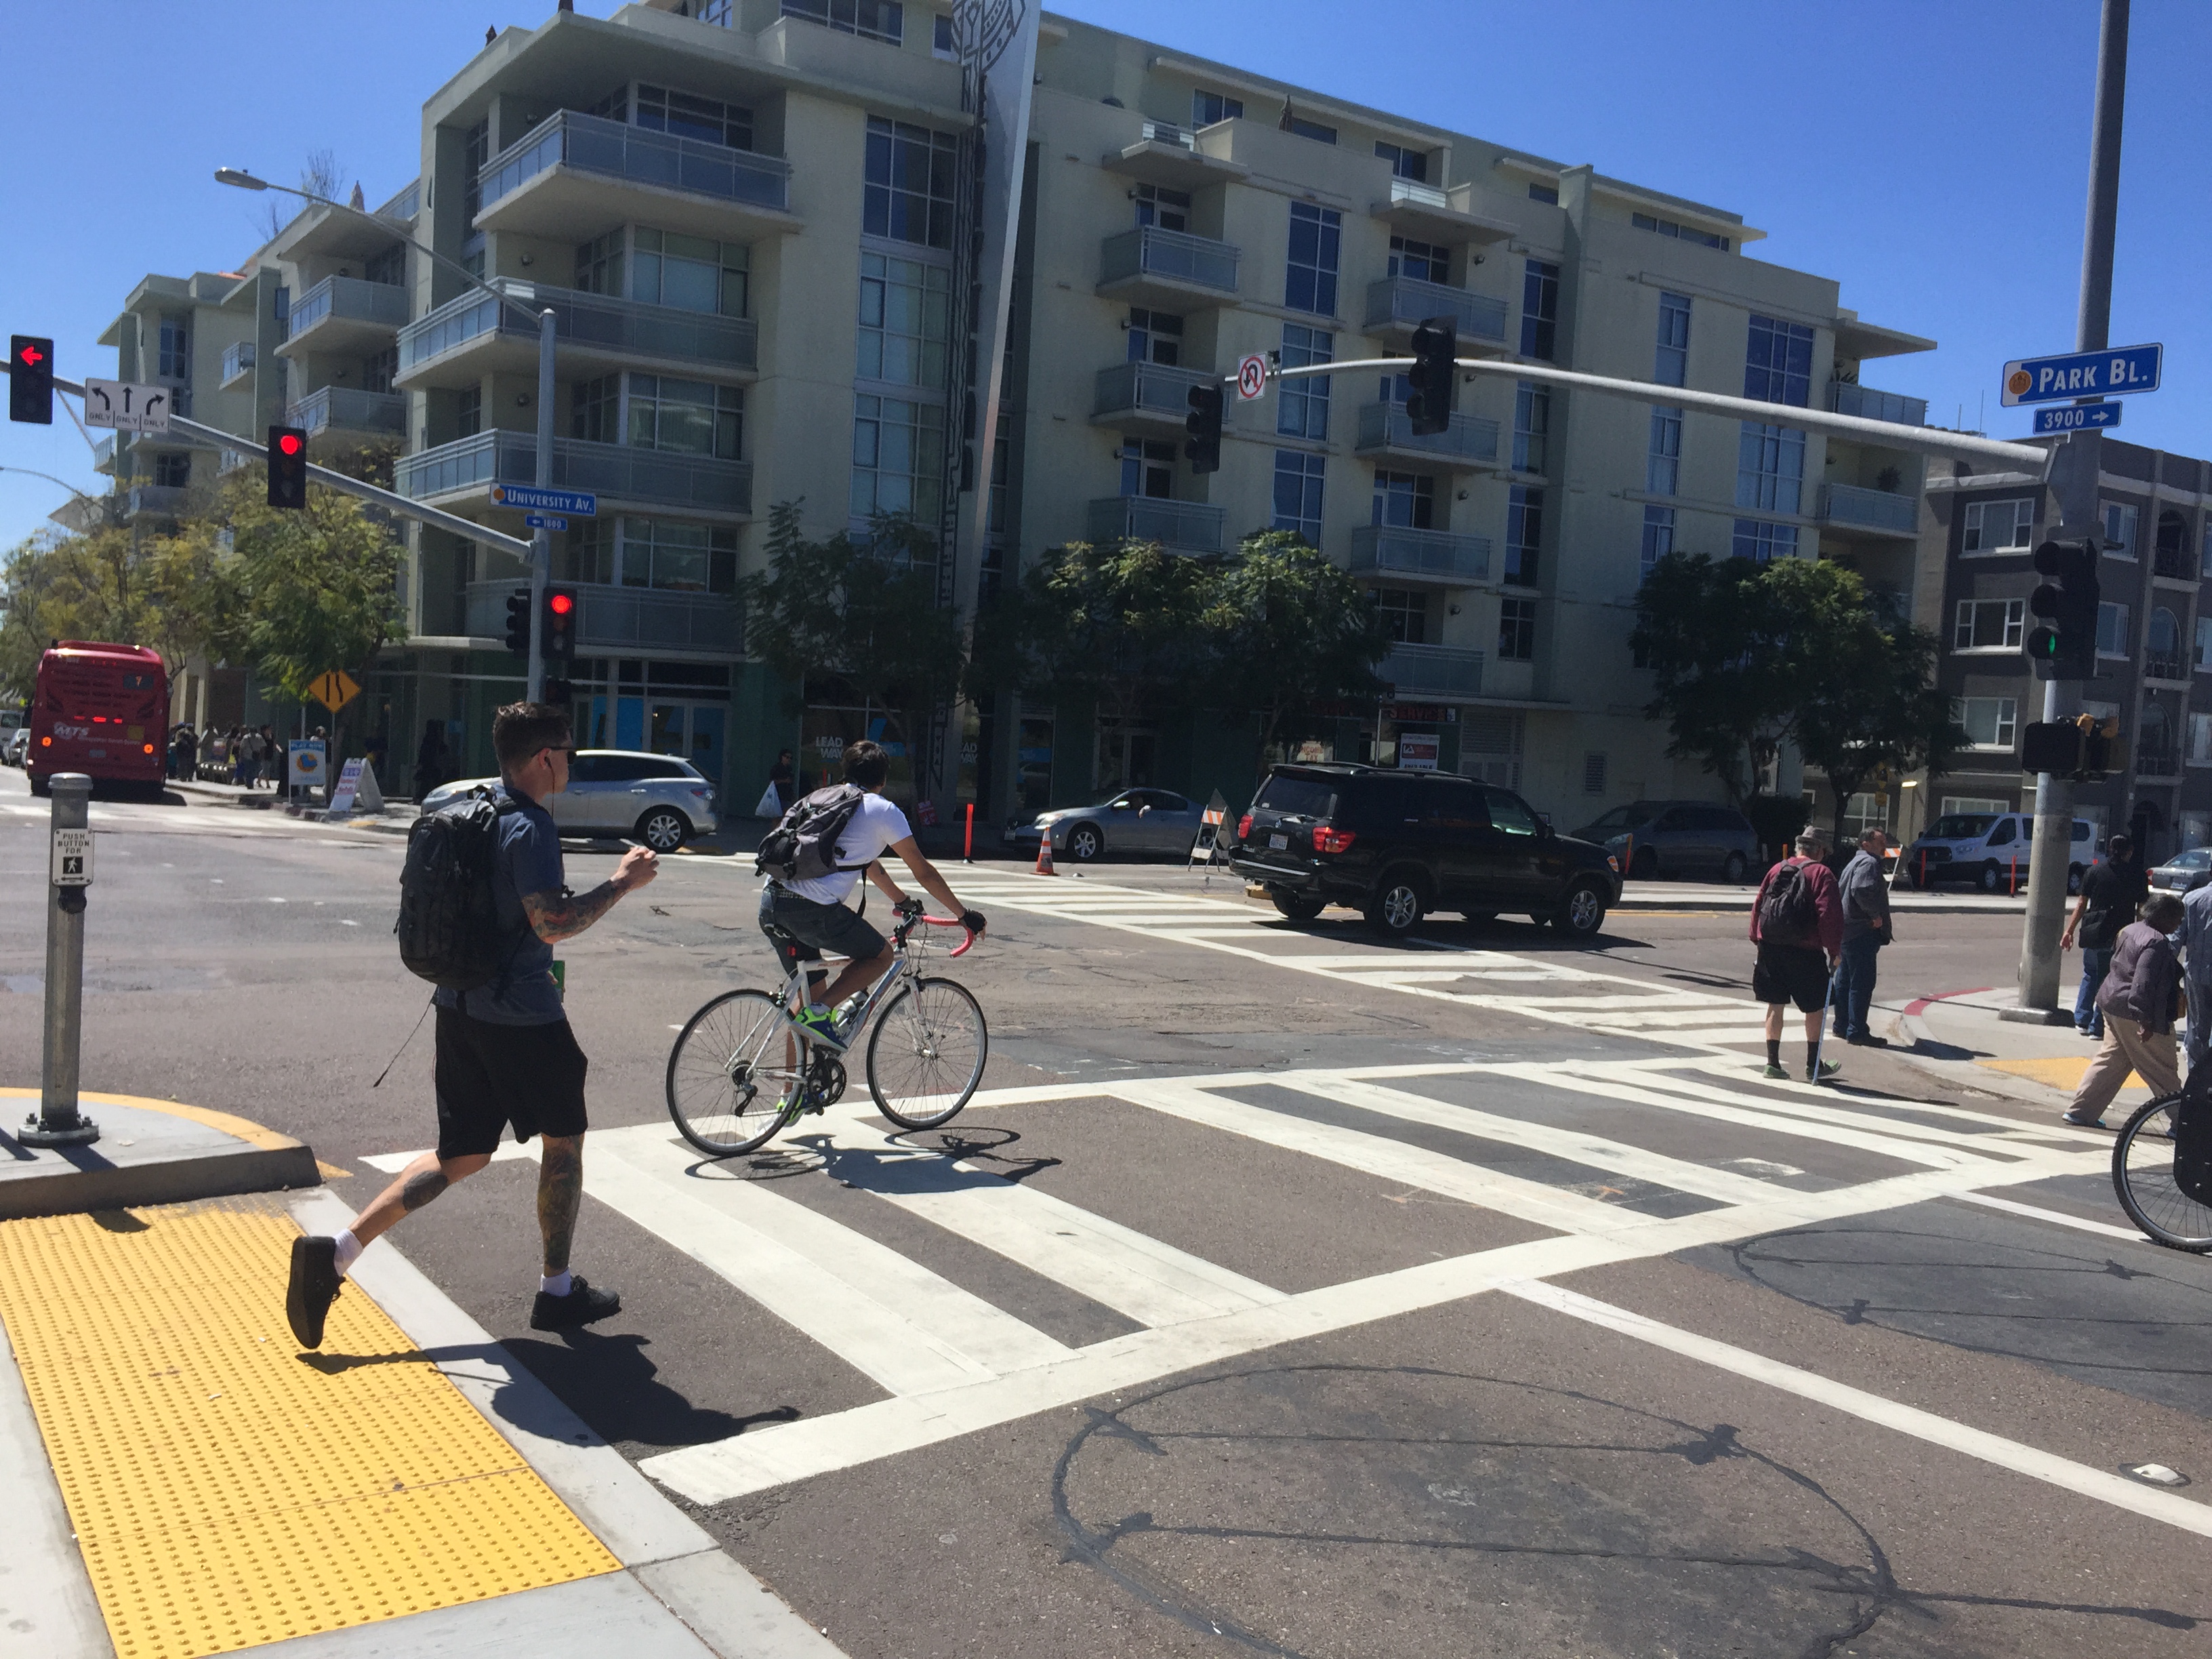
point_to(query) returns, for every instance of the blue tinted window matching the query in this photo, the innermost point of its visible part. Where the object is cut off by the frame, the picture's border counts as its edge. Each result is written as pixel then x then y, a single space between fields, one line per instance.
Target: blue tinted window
pixel 1777 365
pixel 1315 234
pixel 1540 308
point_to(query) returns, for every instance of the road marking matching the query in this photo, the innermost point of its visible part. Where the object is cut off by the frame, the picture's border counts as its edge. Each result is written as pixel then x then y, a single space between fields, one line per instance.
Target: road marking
pixel 2059 1218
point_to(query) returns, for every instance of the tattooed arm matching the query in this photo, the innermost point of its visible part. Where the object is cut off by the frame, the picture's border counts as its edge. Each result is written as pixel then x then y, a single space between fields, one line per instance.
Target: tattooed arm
pixel 555 916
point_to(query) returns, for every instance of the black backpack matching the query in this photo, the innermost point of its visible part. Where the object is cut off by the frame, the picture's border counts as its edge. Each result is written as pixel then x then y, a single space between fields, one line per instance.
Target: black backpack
pixel 448 925
pixel 802 845
pixel 1788 913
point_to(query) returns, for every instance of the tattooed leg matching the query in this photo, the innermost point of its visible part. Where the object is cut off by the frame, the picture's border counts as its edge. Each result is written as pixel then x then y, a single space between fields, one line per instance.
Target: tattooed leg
pixel 417 1185
pixel 560 1195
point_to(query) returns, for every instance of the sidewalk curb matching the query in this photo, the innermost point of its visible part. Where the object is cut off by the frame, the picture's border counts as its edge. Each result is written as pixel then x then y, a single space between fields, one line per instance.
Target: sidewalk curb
pixel 1964 1073
pixel 255 1160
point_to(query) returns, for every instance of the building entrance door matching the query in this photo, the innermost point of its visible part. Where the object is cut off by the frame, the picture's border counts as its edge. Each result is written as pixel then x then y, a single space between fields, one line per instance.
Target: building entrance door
pixel 688 731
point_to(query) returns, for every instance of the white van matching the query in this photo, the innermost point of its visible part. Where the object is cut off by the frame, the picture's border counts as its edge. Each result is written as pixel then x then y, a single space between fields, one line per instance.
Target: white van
pixel 1989 850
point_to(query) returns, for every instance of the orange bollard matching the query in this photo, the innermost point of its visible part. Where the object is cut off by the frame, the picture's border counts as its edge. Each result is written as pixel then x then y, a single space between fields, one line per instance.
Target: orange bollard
pixel 2012 887
pixel 1044 855
pixel 968 850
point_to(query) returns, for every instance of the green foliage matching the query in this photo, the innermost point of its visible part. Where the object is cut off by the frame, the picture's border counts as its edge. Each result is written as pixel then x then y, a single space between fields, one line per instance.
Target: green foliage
pixel 1118 626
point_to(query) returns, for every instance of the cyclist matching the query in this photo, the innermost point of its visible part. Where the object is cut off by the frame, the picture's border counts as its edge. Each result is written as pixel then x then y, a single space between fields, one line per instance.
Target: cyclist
pixel 802 918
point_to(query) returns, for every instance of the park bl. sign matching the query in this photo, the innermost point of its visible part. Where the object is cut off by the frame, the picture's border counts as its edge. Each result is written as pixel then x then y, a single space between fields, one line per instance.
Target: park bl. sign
pixel 2110 373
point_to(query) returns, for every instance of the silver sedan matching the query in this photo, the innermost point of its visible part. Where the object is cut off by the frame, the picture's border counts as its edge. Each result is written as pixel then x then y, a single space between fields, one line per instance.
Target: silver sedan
pixel 1125 821
pixel 657 800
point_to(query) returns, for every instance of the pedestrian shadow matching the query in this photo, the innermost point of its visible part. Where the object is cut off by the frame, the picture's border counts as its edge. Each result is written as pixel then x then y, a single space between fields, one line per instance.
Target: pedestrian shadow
pixel 611 1382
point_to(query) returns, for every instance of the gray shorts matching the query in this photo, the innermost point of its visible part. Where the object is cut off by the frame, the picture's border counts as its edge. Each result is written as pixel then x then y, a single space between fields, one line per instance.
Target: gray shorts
pixel 800 930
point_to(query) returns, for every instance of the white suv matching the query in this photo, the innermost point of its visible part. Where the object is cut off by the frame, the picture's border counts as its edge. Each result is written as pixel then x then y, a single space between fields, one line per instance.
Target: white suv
pixel 1989 850
pixel 657 800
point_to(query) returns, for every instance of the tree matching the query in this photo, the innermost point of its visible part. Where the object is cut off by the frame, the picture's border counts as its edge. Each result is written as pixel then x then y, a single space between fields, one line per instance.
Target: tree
pixel 1723 647
pixel 84 584
pixel 1113 626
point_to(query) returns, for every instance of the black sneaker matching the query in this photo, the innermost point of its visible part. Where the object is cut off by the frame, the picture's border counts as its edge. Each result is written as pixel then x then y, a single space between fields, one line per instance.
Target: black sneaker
pixel 581 1306
pixel 315 1284
pixel 1868 1040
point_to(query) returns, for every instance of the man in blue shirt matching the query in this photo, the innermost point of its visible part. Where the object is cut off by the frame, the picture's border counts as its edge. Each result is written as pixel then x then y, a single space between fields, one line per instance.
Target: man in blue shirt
pixel 505 1053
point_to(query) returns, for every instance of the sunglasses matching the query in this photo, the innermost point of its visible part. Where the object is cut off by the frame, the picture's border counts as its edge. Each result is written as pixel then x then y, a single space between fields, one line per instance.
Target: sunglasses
pixel 570 753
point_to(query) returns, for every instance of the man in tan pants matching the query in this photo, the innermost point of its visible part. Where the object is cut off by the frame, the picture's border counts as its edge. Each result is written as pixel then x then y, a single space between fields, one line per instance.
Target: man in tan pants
pixel 2137 1000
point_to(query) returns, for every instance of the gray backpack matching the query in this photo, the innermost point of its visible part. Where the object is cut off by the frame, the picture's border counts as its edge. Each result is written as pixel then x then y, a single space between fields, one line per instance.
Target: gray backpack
pixel 802 845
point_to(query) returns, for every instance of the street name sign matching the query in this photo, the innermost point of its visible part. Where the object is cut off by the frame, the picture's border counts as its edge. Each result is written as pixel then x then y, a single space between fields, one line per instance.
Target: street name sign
pixel 72 865
pixel 125 407
pixel 2082 374
pixel 530 499
pixel 1251 377
pixel 2075 417
pixel 544 521
pixel 334 690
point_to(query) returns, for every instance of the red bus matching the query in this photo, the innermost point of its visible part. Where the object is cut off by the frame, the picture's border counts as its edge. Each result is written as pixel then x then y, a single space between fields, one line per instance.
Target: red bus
pixel 99 709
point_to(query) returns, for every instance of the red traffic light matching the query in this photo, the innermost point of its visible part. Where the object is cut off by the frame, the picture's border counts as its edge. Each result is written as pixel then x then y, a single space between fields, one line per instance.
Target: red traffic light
pixel 560 603
pixel 290 443
pixel 31 354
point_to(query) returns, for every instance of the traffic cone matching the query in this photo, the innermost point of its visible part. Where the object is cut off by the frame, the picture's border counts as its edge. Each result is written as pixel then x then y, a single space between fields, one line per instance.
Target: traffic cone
pixel 1044 856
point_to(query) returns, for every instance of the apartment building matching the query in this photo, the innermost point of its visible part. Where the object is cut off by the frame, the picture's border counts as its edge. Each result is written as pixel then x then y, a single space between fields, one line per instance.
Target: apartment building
pixel 2153 645
pixel 755 219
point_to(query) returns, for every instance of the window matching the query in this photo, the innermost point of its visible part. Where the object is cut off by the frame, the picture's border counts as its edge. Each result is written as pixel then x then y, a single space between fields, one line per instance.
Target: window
pixel 1297 494
pixel 1524 534
pixel 1989 624
pixel 1148 468
pixel 689 417
pixel 1207 108
pixel 176 349
pixel 172 471
pixel 475 150
pixel 1302 405
pixel 2162 645
pixel 1778 366
pixel 1990 722
pixel 1532 426
pixel 1315 232
pixel 2204 644
pixel 1540 308
pixel 378 372
pixel 1405 163
pixel 1759 541
pixel 1158 205
pixel 1305 128
pixel 1155 337
pixel 1996 526
pixel 872 20
pixel 905 318
pixel 2111 630
pixel 908 198
pixel 1425 262
pixel 898 457
pixel 689 272
pixel 1658 536
pixel 1405 613
pixel 1549 193
pixel 1594 772
pixel 687 558
pixel 388 268
pixel 468 412
pixel 594 409
pixel 1770 468
pixel 599 264
pixel 1672 362
pixel 940 39
pixel 1679 232
pixel 1516 630
pixel 1510 813
pixel 2171 546
pixel 1406 500
pixel 2200 743
pixel 727 125
pixel 716 12
pixel 2119 526
pixel 1663 467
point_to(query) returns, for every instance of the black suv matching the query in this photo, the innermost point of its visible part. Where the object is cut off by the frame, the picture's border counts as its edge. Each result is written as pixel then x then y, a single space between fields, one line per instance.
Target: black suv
pixel 1399 844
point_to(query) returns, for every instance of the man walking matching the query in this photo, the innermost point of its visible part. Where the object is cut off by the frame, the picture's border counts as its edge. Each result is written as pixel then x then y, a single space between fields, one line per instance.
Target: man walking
pixel 1867 927
pixel 505 1053
pixel 2137 999
pixel 1798 923
pixel 2112 892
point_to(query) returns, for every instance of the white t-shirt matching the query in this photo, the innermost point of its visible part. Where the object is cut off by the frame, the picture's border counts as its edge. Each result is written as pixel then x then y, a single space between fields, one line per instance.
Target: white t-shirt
pixel 874 827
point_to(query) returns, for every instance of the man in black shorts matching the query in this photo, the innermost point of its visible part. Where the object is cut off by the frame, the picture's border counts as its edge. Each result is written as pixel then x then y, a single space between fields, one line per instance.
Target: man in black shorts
pixel 505 1054
pixel 1798 963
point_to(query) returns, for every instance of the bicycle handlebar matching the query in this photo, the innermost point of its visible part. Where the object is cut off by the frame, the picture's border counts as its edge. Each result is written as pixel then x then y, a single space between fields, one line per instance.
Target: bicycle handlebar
pixel 959 950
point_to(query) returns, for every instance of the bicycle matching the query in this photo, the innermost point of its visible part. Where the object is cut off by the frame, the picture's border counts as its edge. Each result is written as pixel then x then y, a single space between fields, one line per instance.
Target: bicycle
pixel 741 1072
pixel 2151 1189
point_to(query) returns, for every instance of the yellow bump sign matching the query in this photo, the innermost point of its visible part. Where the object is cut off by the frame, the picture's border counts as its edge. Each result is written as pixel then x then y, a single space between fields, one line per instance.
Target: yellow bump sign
pixel 334 690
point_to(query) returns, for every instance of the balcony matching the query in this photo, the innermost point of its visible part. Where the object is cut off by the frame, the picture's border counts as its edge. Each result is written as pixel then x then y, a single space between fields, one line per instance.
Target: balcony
pixel 237 363
pixel 465 339
pixel 1419 558
pixel 626 621
pixel 1470 442
pixel 156 501
pixel 2173 669
pixel 625 479
pixel 345 313
pixel 1166 154
pixel 2174 564
pixel 2157 764
pixel 1433 671
pixel 573 173
pixel 1436 213
pixel 1178 526
pixel 374 415
pixel 1397 306
pixel 1871 512
pixel 103 454
pixel 1150 397
pixel 1869 404
pixel 1171 269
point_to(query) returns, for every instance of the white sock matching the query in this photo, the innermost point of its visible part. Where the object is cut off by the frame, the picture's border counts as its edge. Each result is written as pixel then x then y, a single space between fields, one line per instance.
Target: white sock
pixel 350 1250
pixel 554 1284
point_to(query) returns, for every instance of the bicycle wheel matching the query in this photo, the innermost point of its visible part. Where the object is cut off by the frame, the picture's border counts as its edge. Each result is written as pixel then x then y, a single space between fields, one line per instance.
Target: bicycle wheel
pixel 2142 1176
pixel 734 1067
pixel 926 1053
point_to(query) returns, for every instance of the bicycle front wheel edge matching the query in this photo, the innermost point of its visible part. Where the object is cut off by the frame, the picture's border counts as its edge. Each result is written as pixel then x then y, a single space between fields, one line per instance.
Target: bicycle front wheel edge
pixel 729 1072
pixel 2143 1180
pixel 927 1055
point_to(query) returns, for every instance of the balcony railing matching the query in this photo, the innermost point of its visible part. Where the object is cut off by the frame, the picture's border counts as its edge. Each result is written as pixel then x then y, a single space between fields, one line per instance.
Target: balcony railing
pixel 1412 190
pixel 350 409
pixel 638 155
pixel 1864 401
pixel 1167 132
pixel 383 305
pixel 623 620
pixel 237 361
pixel 2165 668
pixel 1405 302
pixel 1438 555
pixel 2173 563
pixel 103 454
pixel 1470 440
pixel 1185 527
pixel 651 476
pixel 629 328
pixel 1173 256
pixel 2157 764
pixel 165 500
pixel 1872 509
pixel 1441 670
pixel 1150 388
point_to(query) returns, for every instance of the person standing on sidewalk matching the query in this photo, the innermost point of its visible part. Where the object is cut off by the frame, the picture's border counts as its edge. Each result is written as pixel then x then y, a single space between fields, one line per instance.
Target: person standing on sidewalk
pixel 2115 886
pixel 1867 927
pixel 1798 923
pixel 505 1053
pixel 2137 997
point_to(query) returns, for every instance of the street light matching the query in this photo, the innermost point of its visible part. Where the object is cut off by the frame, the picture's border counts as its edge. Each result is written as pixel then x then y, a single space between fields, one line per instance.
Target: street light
pixel 541 563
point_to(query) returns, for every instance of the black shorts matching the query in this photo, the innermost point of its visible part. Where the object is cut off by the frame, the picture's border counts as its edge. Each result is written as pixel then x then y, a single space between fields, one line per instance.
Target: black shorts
pixel 801 930
pixel 489 1075
pixel 1791 973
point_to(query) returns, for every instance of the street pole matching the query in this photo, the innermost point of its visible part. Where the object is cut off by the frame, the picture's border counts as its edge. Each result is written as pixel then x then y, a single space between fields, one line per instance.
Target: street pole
pixel 57 1122
pixel 2074 489
pixel 541 542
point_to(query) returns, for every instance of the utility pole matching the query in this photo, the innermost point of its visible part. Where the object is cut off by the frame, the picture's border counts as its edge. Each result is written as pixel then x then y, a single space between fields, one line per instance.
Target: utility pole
pixel 541 541
pixel 2074 473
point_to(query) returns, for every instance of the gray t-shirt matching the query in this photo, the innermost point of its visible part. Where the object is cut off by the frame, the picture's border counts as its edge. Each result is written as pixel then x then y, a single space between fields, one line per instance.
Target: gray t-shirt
pixel 528 861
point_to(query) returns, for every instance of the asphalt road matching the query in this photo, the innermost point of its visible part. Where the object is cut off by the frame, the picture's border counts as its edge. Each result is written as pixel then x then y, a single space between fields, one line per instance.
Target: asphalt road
pixel 1292 1294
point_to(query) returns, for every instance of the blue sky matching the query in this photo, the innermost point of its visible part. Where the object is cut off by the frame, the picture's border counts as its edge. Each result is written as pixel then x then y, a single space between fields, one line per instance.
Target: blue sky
pixel 1932 156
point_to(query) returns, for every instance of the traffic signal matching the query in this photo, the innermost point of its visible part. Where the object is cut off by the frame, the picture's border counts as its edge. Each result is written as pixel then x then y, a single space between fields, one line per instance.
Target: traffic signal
pixel 287 466
pixel 558 642
pixel 1435 377
pixel 518 621
pixel 2063 645
pixel 31 380
pixel 1203 446
pixel 2053 746
pixel 2100 746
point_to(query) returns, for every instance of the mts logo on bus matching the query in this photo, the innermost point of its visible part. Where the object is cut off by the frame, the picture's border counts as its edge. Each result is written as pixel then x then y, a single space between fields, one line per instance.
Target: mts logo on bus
pixel 61 731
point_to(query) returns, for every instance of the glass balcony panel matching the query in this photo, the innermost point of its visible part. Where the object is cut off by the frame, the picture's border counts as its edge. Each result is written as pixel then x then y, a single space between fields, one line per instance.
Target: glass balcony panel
pixel 1440 670
pixel 383 304
pixel 237 361
pixel 618 620
pixel 1150 388
pixel 1173 256
pixel 350 409
pixel 1869 404
pixel 1871 509
pixel 591 143
pixel 627 327
pixel 1469 441
pixel 1405 302
pixel 1182 527
pixel 1438 555
pixel 616 470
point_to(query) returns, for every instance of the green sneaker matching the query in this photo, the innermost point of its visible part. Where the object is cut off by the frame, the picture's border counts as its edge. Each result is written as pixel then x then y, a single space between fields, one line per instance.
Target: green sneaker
pixel 1828 1068
pixel 820 1026
pixel 1779 1073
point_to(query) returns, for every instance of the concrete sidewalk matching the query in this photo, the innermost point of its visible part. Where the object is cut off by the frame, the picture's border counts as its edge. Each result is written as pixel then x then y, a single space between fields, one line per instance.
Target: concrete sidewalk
pixel 1958 1036
pixel 1740 895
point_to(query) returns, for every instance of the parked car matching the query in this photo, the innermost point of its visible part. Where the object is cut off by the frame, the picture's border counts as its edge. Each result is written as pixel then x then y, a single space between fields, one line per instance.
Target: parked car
pixel 1989 850
pixel 2184 873
pixel 1400 844
pixel 1677 838
pixel 654 798
pixel 18 744
pixel 1123 820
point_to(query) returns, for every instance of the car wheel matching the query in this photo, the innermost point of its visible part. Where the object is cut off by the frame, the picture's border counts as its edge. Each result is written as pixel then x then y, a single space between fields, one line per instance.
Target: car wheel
pixel 2073 880
pixel 1086 842
pixel 1399 901
pixel 1733 868
pixel 663 828
pixel 1298 907
pixel 1992 876
pixel 1581 913
pixel 1644 866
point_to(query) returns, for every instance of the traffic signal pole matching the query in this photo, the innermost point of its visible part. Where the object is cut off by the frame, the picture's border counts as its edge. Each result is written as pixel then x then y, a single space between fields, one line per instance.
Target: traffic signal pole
pixel 541 542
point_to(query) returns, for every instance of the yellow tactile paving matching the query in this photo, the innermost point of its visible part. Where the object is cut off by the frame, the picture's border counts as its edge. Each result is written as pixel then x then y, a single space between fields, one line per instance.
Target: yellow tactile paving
pixel 2059 1070
pixel 227 1491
